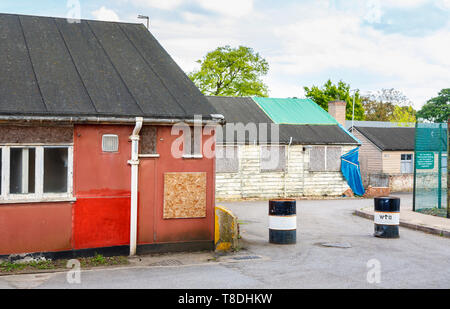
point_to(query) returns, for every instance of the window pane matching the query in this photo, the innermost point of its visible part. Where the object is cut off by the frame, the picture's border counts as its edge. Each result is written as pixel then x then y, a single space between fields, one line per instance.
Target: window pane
pixel 22 170
pixel 55 170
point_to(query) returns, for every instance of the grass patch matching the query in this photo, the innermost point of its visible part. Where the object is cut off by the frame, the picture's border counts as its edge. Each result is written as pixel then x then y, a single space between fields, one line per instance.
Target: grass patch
pixel 89 262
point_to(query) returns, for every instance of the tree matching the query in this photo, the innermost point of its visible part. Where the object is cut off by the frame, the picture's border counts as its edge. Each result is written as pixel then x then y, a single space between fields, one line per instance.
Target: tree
pixel 341 91
pixel 403 115
pixel 437 109
pixel 230 71
pixel 388 105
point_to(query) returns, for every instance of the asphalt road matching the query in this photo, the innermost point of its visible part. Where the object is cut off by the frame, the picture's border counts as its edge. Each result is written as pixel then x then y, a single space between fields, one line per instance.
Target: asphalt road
pixel 416 260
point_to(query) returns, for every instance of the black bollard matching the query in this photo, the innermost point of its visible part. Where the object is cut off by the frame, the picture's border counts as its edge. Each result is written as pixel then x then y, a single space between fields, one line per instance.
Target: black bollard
pixel 387 217
pixel 282 221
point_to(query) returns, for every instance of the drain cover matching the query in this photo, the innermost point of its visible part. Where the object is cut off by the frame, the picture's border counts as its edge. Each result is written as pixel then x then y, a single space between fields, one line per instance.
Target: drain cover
pixel 248 257
pixel 344 245
pixel 166 263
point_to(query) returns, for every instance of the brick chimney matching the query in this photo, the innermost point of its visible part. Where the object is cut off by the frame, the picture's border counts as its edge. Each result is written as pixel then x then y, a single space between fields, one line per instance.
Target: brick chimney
pixel 337 109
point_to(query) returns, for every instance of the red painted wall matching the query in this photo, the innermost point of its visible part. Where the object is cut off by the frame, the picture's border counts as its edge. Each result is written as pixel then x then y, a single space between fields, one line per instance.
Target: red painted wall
pixel 101 215
pixel 35 227
pixel 102 188
pixel 177 230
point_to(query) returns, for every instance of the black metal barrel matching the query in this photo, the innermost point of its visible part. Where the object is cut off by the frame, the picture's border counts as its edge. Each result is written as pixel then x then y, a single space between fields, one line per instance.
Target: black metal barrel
pixel 282 221
pixel 387 217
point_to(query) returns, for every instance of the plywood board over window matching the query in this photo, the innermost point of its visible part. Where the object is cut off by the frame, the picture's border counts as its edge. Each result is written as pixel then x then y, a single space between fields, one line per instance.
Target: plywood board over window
pixel 184 195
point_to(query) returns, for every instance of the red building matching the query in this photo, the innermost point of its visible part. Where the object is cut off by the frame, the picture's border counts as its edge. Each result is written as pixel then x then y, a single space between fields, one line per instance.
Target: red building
pixel 87 142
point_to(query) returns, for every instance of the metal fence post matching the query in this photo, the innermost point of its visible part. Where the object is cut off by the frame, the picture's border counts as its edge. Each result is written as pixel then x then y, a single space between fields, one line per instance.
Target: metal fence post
pixel 440 169
pixel 415 164
pixel 448 174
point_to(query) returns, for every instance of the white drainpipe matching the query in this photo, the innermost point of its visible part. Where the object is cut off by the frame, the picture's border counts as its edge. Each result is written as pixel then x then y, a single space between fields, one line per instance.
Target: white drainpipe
pixel 134 162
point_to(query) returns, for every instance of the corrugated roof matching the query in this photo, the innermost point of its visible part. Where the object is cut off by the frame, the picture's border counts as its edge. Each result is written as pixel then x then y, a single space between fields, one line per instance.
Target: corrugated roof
pixel 393 139
pixel 52 67
pixel 247 112
pixel 295 111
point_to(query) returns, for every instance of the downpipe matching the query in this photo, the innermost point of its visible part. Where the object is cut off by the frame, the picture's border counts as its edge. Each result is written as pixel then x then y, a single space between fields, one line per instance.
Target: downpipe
pixel 134 162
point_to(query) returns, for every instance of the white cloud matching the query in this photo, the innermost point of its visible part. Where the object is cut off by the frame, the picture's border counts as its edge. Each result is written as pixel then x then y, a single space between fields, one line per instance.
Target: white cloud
pixel 335 40
pixel 444 4
pixel 232 8
pixel 403 3
pixel 159 4
pixel 105 14
pixel 322 44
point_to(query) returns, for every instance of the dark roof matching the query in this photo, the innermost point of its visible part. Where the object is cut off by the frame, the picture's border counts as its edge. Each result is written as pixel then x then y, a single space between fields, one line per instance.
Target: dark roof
pixel 52 67
pixel 390 138
pixel 247 112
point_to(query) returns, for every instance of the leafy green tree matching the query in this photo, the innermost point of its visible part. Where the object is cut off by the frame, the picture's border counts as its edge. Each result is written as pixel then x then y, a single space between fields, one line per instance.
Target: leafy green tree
pixel 403 115
pixel 388 105
pixel 341 91
pixel 230 71
pixel 437 109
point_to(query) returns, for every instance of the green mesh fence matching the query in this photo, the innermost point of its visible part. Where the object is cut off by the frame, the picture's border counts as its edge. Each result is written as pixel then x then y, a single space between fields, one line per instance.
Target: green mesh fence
pixel 430 169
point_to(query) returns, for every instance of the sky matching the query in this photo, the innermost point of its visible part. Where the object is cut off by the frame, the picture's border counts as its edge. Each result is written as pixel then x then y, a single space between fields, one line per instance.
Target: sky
pixel 369 44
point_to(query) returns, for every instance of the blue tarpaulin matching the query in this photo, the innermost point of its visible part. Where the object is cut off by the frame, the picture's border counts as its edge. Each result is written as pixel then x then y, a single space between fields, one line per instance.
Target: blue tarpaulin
pixel 352 173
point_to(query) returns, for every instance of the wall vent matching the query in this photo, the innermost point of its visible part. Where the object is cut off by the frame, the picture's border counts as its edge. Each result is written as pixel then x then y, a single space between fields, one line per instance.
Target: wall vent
pixel 110 143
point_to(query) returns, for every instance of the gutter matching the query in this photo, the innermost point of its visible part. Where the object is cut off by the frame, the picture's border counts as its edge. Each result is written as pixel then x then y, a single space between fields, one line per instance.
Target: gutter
pixel 134 162
pixel 215 119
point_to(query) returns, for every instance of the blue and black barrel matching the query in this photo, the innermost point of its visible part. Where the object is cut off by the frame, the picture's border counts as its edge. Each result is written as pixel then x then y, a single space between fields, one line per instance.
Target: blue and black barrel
pixel 282 221
pixel 387 217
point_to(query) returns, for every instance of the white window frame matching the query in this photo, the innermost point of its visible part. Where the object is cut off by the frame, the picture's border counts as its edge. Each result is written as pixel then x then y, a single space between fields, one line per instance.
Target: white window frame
pixel 195 134
pixel 409 162
pixel 38 195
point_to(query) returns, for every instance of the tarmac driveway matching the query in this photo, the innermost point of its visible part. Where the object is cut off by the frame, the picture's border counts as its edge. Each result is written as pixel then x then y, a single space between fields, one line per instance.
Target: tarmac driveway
pixel 416 260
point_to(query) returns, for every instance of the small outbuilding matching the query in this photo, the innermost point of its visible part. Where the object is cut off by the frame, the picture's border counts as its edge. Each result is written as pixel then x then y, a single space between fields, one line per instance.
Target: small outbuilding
pixel 387 156
pixel 87 164
pixel 273 148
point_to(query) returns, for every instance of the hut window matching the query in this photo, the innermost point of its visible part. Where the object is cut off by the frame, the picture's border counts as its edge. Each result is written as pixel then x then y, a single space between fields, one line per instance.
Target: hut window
pixel 333 163
pixel 407 163
pixel 36 173
pixel 325 159
pixel 227 160
pixel 273 158
pixel 148 140
pixel 192 146
pixel 55 170
pixel 22 170
pixel 110 143
pixel 317 159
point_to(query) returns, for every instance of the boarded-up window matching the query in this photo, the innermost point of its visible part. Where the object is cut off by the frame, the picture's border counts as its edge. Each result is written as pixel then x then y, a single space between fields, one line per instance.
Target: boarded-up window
pixel 273 158
pixel 184 195
pixel 334 159
pixel 148 140
pixel 227 160
pixel 35 134
pixel 317 159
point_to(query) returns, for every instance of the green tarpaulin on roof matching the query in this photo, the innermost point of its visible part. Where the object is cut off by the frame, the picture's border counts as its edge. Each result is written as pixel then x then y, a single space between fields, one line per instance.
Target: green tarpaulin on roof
pixel 294 111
